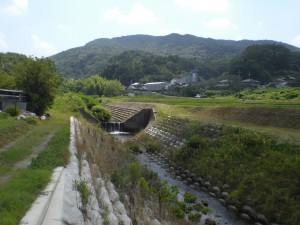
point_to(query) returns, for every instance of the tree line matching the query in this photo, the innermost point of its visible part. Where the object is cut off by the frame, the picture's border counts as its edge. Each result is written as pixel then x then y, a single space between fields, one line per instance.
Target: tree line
pixel 39 79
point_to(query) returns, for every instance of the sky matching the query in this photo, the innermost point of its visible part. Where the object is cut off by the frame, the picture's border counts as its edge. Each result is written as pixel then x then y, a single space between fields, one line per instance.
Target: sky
pixel 41 28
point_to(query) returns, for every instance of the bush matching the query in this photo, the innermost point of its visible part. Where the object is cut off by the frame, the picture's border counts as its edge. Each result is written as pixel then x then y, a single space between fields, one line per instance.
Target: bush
pixel 189 198
pixel 31 120
pixel 12 110
pixel 101 113
pixel 132 146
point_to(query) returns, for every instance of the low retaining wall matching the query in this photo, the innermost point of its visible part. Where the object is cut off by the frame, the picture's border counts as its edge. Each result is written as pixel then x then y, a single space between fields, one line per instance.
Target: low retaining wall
pixel 139 121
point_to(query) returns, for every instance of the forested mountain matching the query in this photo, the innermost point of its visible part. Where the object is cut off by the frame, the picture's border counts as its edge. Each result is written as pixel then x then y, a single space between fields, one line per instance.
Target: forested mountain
pixel 8 62
pixel 101 55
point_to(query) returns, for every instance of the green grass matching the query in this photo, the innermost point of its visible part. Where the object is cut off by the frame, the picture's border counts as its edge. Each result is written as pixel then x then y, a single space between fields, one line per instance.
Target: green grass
pixel 23 146
pixel 277 98
pixel 261 171
pixel 17 195
pixel 11 128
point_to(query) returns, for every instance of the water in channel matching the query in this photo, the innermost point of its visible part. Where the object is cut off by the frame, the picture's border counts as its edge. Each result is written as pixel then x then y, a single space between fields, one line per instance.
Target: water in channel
pixel 221 214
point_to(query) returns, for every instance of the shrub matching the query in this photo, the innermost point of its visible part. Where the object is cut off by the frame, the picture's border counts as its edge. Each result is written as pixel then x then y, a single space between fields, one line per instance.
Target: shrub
pixel 31 120
pixel 84 192
pixel 152 146
pixel 12 110
pixel 194 216
pixel 132 146
pixel 101 113
pixel 89 101
pixel 189 198
pixel 179 213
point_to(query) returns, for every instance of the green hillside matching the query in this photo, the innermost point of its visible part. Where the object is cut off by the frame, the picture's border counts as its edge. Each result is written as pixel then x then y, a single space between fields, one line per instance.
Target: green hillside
pixel 96 56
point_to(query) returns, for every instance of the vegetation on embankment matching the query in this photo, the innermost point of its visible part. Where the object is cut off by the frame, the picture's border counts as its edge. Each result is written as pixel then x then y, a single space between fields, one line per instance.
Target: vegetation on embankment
pixel 261 171
pixel 146 198
pixel 257 169
pixel 20 186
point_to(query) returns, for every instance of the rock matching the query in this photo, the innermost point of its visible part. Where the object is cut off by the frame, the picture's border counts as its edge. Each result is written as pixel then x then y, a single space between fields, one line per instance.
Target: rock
pixel 261 218
pixel 258 223
pixel 113 220
pixel 95 217
pixel 216 190
pixel 207 184
pixel 120 208
pixel 199 180
pixel 113 194
pixel 197 184
pixel 233 208
pixel 212 194
pixel 248 210
pixel 155 222
pixel 245 216
pixel 224 195
pixel 104 199
pixel 124 219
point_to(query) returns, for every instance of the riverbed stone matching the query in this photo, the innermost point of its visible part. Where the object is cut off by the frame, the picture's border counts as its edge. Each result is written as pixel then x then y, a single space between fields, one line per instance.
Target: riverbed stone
pixel 197 184
pixel 212 194
pixel 233 208
pixel 216 190
pixel 261 218
pixel 248 210
pixel 225 195
pixel 207 184
pixel 245 216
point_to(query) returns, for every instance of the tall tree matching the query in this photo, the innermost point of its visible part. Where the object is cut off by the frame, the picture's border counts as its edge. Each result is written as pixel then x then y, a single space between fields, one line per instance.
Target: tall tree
pixel 262 61
pixel 38 78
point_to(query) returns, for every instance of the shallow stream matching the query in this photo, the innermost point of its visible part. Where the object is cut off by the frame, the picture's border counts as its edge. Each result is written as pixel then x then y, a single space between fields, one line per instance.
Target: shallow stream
pixel 219 212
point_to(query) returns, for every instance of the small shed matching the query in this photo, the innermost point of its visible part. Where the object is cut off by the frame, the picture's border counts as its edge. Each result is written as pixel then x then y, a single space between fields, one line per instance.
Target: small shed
pixel 15 98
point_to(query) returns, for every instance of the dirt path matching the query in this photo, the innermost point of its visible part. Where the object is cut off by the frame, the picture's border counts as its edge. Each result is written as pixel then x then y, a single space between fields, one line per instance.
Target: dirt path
pixel 35 152
pixel 27 161
pixel 11 144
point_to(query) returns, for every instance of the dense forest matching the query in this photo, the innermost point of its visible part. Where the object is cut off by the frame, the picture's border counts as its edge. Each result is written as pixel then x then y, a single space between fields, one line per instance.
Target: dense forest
pixel 145 58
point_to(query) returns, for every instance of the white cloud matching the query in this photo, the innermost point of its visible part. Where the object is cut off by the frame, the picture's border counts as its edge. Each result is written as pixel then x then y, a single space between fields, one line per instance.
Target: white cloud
pixel 204 5
pixel 138 15
pixel 17 7
pixel 44 47
pixel 296 41
pixel 3 43
pixel 219 23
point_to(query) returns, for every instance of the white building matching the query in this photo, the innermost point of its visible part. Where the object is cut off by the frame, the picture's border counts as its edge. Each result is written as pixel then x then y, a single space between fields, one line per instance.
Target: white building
pixel 156 86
